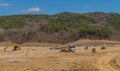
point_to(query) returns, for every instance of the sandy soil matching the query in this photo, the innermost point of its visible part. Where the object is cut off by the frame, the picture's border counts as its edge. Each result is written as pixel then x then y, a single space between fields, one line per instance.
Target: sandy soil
pixel 43 59
pixel 118 60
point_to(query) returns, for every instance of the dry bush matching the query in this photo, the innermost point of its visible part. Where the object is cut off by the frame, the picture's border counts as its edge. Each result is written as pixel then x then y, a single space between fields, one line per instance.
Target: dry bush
pixel 103 47
pixel 86 47
pixel 93 50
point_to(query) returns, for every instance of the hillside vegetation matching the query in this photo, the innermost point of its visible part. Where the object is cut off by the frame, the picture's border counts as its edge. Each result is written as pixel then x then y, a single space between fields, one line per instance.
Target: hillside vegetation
pixel 60 28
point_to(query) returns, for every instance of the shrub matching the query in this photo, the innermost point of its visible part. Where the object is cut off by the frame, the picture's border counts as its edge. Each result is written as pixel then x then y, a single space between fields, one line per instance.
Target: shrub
pixel 103 47
pixel 93 50
pixel 7 22
pixel 86 47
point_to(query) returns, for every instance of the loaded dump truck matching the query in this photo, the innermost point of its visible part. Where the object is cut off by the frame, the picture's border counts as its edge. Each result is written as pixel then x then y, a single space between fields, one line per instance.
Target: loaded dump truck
pixel 70 48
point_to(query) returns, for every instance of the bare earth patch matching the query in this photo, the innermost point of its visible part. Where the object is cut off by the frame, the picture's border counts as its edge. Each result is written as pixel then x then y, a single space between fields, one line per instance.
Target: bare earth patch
pixel 118 61
pixel 43 59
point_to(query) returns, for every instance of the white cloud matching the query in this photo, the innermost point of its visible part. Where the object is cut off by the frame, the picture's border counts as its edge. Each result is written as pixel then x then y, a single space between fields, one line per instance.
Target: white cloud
pixel 32 10
pixel 4 4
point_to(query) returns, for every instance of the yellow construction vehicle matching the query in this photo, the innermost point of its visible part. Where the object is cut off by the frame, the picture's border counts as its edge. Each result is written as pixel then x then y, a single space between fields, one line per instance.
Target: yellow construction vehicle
pixel 12 46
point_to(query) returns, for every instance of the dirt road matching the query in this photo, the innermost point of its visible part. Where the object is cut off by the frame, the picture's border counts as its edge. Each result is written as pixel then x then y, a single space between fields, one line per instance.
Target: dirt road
pixel 107 62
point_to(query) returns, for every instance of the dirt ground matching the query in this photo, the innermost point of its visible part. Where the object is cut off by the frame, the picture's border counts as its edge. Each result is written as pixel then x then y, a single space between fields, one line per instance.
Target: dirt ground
pixel 43 59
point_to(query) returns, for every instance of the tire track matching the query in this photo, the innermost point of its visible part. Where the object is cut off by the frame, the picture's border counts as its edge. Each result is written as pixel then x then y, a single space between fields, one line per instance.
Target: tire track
pixel 114 63
pixel 108 62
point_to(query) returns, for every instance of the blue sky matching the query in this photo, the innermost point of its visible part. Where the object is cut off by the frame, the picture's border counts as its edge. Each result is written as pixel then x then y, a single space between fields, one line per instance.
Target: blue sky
pixel 11 7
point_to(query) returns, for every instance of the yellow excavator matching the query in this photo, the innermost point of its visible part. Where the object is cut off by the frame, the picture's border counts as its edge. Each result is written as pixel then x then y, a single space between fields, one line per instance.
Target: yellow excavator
pixel 13 46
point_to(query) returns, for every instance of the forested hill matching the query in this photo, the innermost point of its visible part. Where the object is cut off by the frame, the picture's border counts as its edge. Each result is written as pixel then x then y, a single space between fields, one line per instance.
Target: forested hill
pixel 60 28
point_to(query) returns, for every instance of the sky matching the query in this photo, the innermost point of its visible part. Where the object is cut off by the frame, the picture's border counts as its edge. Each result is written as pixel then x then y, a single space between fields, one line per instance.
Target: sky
pixel 13 7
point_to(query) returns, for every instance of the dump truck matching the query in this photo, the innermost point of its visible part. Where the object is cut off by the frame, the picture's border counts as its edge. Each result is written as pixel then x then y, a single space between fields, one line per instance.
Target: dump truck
pixel 70 48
